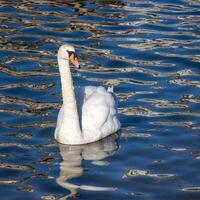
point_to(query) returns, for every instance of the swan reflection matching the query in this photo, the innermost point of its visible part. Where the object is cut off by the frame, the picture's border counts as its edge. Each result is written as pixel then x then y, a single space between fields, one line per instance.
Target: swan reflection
pixel 71 166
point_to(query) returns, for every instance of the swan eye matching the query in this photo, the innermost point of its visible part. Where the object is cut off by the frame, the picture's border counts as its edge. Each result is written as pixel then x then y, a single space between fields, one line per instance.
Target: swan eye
pixel 69 53
pixel 72 53
pixel 73 58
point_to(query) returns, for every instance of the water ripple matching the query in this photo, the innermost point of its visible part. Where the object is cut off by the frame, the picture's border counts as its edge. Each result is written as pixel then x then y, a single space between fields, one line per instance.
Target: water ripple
pixel 137 172
pixel 149 51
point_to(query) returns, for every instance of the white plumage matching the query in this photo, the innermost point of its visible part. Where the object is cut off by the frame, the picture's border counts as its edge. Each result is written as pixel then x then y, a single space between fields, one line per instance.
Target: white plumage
pixel 89 113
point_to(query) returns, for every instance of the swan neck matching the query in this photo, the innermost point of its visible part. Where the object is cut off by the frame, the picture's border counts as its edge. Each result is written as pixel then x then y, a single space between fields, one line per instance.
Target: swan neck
pixel 66 82
pixel 70 115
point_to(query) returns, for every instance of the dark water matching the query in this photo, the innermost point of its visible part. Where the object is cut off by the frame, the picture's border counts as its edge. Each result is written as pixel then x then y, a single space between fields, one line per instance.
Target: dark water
pixel 149 50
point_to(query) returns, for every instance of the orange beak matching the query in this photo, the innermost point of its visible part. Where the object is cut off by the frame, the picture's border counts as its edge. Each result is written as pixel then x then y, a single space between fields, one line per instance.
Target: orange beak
pixel 74 60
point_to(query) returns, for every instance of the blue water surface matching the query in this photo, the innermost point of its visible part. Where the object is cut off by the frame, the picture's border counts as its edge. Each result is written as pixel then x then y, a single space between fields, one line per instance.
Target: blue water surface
pixel 149 51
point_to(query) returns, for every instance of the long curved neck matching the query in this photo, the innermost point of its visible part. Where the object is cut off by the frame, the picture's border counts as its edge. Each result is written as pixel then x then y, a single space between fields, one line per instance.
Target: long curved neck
pixel 66 84
pixel 70 115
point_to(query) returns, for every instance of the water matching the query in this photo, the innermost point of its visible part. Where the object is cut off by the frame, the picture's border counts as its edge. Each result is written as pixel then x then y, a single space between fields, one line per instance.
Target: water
pixel 148 50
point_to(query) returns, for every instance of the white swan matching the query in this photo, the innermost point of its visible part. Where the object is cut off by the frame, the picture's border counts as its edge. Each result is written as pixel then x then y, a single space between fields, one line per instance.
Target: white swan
pixel 89 113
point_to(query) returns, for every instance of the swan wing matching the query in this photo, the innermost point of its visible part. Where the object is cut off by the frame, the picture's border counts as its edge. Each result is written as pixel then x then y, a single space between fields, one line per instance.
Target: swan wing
pixel 98 111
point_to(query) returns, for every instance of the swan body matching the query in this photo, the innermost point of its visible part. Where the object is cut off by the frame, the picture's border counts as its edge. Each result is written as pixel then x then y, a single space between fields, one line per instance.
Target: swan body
pixel 89 113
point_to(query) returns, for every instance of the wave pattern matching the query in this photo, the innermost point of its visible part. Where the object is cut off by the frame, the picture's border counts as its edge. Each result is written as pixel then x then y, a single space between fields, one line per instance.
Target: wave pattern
pixel 149 51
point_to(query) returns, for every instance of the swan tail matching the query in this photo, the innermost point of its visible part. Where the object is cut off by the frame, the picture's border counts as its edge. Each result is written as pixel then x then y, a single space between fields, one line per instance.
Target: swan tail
pixel 110 89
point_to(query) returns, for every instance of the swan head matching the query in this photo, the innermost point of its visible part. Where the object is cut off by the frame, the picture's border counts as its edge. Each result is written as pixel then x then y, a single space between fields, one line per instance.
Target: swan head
pixel 67 52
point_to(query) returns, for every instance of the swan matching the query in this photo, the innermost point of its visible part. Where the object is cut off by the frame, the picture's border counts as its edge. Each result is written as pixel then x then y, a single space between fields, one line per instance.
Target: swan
pixel 89 113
